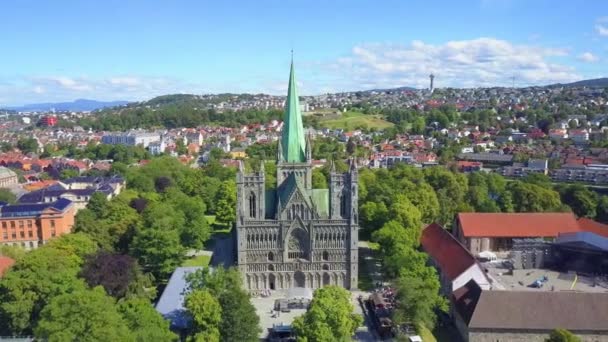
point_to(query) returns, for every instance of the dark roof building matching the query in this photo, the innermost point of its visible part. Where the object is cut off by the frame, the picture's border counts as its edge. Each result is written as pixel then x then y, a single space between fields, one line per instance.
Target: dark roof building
pixel 529 315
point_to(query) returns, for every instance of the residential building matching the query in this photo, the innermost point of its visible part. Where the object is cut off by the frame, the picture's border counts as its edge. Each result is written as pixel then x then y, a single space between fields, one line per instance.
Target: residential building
pixel 558 134
pixel 48 121
pixel 131 138
pixel 194 138
pixel 31 225
pixel 487 158
pixel 78 190
pixel 294 235
pixel 157 147
pixel 579 136
pixel 592 173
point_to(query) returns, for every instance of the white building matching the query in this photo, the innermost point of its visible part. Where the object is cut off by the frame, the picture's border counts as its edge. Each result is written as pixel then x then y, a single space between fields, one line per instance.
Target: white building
pixel 131 138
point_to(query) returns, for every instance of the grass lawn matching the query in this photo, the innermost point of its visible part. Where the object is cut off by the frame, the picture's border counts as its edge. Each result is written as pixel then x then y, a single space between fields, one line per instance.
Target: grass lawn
pixel 200 260
pixel 353 120
pixel 210 219
pixel 374 246
pixel 426 334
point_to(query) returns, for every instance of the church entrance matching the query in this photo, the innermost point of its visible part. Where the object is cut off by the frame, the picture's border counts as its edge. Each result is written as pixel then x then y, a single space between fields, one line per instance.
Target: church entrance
pixel 326 279
pixel 271 281
pixel 299 279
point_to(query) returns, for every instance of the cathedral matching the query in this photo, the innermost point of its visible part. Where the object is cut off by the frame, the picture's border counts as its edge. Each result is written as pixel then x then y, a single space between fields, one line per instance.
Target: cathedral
pixel 294 235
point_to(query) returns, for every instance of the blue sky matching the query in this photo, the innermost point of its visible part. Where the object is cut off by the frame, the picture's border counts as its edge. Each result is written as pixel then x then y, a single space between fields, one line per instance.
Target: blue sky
pixel 134 50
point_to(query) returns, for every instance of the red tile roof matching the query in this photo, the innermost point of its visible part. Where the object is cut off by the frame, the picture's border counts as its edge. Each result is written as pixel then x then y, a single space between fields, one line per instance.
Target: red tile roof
pixel 449 254
pixel 5 264
pixel 588 225
pixel 519 225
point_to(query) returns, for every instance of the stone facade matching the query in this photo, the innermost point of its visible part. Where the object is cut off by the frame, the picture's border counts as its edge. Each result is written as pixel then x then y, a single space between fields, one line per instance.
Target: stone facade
pixel 294 235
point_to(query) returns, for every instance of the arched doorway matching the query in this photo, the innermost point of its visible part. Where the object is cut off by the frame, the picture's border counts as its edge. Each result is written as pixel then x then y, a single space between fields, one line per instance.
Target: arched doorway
pixel 326 279
pixel 271 281
pixel 299 279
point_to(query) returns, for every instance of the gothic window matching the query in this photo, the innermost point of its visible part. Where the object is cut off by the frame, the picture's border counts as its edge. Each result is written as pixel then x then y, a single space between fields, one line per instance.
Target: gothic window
pixel 325 267
pixel 270 256
pixel 271 267
pixel 325 256
pixel 297 246
pixel 343 205
pixel 252 205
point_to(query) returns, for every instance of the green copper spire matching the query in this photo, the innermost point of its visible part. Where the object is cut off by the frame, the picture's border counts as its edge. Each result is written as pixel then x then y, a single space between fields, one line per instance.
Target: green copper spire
pixel 294 144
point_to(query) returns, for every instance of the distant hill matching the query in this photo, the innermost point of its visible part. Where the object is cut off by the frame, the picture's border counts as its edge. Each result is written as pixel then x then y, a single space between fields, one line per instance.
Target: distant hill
pixel 76 106
pixel 593 83
pixel 391 89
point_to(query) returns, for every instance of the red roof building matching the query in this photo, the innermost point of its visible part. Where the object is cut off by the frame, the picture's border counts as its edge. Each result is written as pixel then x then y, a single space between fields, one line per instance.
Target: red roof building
pixel 495 231
pixel 48 121
pixel 456 264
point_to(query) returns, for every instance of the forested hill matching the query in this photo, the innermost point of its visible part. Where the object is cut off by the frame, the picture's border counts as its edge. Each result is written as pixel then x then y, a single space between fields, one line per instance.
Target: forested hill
pixel 178 110
pixel 593 83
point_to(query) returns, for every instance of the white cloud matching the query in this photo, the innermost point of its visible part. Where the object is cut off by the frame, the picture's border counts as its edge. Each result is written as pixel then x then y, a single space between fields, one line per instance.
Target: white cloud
pixel 64 88
pixel 464 63
pixel 588 57
pixel 602 30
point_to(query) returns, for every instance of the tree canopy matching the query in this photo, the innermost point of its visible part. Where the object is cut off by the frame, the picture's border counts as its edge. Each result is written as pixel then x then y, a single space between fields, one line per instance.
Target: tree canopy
pixel 329 318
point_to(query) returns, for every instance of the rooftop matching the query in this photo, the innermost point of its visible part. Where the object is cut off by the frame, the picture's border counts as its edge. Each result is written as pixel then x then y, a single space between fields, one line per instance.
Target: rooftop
pixel 450 255
pixel 541 311
pixel 171 302
pixel 5 264
pixel 517 224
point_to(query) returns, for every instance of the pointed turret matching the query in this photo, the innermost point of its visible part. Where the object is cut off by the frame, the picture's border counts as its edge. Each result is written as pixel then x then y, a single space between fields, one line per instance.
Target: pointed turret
pixel 308 149
pixel 353 164
pixel 293 141
pixel 279 152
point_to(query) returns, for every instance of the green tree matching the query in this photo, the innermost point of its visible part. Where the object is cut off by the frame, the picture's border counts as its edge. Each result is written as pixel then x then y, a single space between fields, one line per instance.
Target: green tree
pixel 159 251
pixel 84 315
pixel 13 252
pixel 319 181
pixel 32 282
pixel 239 319
pixel 583 201
pixel 68 173
pixel 27 145
pixel 528 197
pixel 225 211
pixel 329 318
pixel 562 335
pixel 6 195
pixel 144 321
pixel 206 314
pixel 373 215
pixel 418 300
pixel 602 209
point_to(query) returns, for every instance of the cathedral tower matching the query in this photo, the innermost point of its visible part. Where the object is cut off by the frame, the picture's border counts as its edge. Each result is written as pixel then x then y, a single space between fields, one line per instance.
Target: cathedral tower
pixel 293 235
